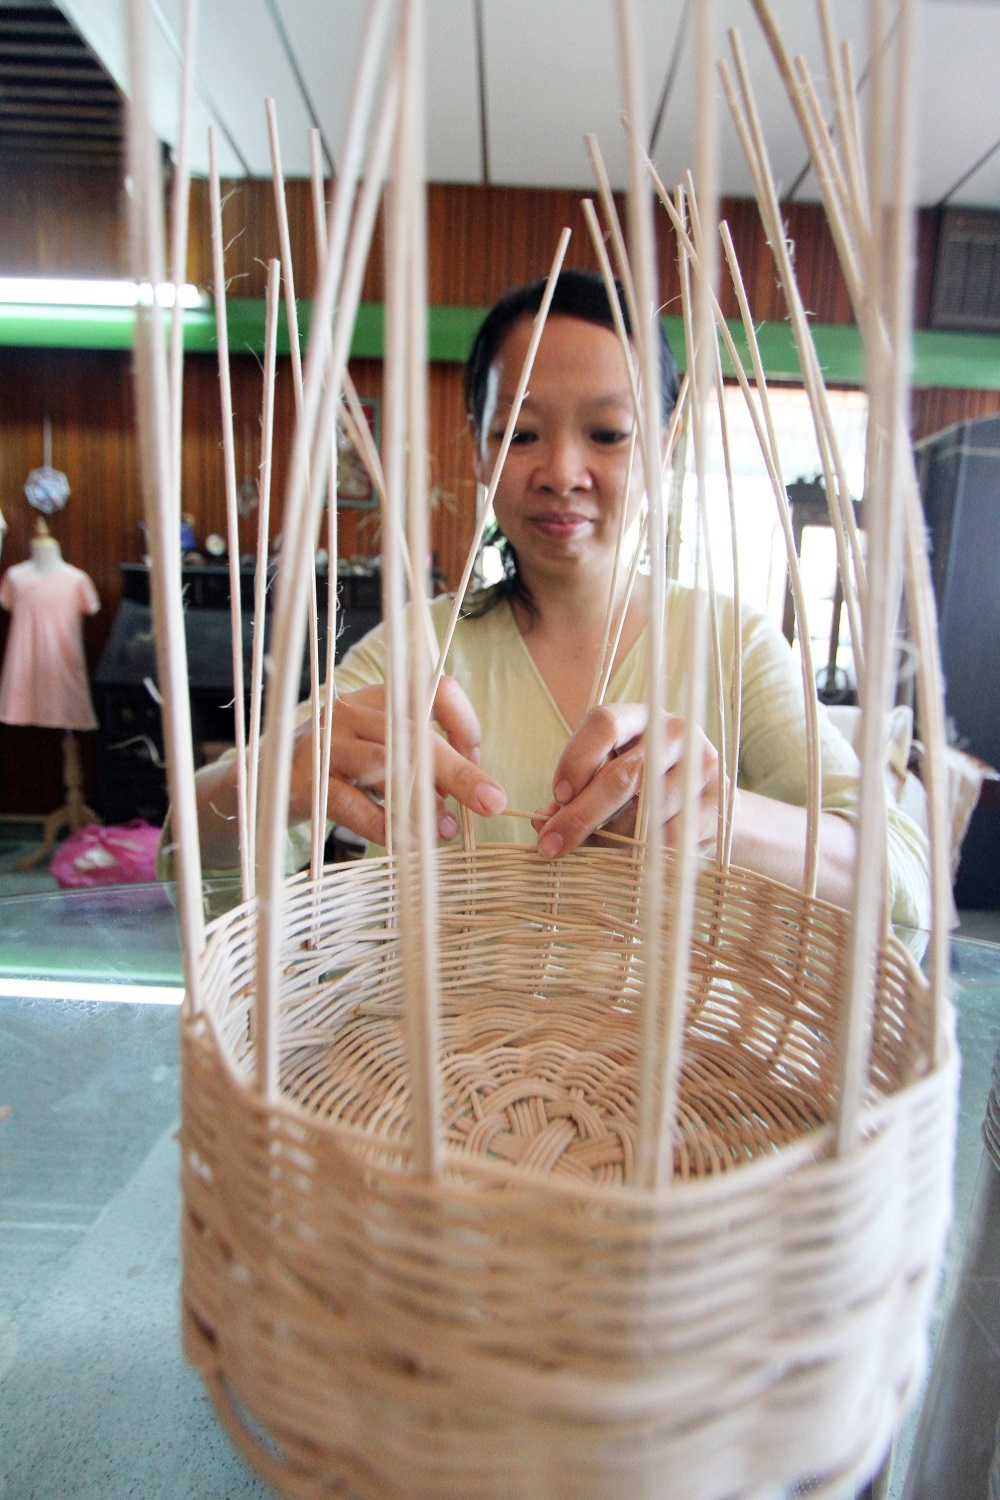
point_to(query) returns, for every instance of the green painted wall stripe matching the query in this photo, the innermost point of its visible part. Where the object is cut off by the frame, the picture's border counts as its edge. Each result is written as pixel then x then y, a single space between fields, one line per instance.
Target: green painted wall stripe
pixel 968 360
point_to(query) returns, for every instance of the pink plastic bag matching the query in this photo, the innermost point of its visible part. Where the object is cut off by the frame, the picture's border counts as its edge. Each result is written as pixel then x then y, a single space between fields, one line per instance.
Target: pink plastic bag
pixel 122 854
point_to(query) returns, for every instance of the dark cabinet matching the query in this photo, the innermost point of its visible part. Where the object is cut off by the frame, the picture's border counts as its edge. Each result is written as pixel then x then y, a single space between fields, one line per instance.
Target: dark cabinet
pixel 132 775
pixel 960 482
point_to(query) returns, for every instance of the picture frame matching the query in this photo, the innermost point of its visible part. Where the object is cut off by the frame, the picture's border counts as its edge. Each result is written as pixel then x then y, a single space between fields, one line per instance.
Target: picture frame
pixel 355 490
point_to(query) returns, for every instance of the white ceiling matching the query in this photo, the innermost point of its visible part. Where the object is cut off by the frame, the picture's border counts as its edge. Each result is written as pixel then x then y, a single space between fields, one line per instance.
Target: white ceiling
pixel 519 82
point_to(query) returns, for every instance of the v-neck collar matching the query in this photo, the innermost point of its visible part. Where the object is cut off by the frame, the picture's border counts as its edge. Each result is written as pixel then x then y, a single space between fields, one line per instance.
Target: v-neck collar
pixel 522 644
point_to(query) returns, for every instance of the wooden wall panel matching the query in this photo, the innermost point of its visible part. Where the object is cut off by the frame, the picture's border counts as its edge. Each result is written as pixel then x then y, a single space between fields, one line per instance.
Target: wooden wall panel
pixel 937 407
pixel 250 227
pixel 62 221
pixel 482 241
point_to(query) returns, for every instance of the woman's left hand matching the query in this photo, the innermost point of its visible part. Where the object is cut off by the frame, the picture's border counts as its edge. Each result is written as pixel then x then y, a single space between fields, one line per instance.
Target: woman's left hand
pixel 596 783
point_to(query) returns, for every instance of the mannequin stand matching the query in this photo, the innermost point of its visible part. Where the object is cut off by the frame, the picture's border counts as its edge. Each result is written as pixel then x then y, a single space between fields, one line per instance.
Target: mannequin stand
pixel 72 815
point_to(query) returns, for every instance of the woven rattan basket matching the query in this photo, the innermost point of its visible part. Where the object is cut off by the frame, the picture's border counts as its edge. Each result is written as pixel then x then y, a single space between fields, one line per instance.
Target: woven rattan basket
pixel 626 1174
pixel 761 1319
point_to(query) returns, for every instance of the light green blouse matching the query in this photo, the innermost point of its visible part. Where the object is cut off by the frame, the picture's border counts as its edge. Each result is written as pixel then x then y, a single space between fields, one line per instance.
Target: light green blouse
pixel 524 733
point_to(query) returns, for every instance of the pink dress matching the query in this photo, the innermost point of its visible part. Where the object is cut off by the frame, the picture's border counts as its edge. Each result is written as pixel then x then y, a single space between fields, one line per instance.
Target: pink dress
pixel 44 676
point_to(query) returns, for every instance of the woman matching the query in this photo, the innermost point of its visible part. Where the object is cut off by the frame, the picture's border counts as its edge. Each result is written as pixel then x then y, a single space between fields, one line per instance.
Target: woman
pixel 516 728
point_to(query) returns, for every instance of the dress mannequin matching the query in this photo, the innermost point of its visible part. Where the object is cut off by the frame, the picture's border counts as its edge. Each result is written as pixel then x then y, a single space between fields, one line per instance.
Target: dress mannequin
pixel 46 554
pixel 44 676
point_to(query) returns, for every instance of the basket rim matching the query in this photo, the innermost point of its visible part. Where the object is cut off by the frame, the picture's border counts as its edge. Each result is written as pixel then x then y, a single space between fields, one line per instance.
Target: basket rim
pixel 394 1161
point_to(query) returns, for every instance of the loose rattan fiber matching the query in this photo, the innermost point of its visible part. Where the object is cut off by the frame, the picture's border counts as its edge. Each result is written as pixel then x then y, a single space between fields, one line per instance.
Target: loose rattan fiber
pixel 385 1332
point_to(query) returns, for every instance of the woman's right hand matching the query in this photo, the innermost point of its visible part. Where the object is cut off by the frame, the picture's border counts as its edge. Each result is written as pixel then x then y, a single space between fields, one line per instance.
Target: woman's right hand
pixel 358 763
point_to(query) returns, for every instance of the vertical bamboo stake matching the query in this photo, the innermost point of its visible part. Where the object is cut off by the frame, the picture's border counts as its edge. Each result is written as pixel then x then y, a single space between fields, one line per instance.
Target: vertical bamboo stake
pixel 332 542
pixel 675 507
pixel 328 343
pixel 733 761
pixel 232 515
pixel 603 658
pixel 324 446
pixel 920 598
pixel 405 471
pixel 769 454
pixel 813 768
pixel 874 290
pixel 614 224
pixel 835 479
pixel 361 436
pixel 650 815
pixel 155 448
pixel 421 941
pixel 607 276
pixel 318 829
pixel 691 760
pixel 178 243
pixel 731 748
pixel 726 793
pixel 841 88
pixel 263 531
pixel 612 651
pixel 398 768
pixel 515 412
pixel 831 163
pixel 854 131
pixel 886 506
pixel 842 237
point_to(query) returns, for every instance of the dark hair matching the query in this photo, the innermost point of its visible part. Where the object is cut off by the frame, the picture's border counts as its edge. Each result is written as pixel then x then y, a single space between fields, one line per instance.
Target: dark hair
pixel 578 294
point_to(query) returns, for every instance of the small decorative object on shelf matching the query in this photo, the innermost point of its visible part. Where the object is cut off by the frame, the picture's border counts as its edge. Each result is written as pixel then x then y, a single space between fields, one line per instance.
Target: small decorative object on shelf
pixel 47 489
pixel 248 494
pixel 355 487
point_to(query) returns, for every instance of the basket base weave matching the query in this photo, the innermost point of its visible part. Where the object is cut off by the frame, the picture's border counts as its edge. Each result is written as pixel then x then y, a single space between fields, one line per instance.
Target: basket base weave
pixel 551 1090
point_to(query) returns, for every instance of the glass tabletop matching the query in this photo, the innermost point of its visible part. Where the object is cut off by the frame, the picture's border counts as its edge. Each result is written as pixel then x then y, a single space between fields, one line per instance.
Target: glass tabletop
pixel 59 943
pixel 95 1398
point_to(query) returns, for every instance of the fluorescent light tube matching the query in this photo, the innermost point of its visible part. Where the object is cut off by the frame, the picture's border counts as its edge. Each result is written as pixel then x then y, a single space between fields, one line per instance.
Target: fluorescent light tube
pixel 50 291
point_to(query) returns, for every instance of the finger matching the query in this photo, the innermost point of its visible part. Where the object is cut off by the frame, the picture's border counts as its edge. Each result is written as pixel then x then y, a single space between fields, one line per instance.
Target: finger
pixel 611 787
pixel 455 715
pixel 542 816
pixel 354 809
pixel 357 753
pixel 447 823
pixel 456 776
pixel 706 826
pixel 706 786
pixel 602 731
pixel 361 762
pixel 354 720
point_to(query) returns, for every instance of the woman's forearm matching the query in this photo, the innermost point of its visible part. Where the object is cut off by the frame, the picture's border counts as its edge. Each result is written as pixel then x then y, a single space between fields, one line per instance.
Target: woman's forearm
pixel 216 796
pixel 770 837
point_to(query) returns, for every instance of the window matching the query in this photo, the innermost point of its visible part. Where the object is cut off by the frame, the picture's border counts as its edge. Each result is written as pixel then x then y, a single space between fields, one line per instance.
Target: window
pixel 760 542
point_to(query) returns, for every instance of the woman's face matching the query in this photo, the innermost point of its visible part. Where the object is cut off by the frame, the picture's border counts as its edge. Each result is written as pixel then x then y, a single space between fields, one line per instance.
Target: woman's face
pixel 560 495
